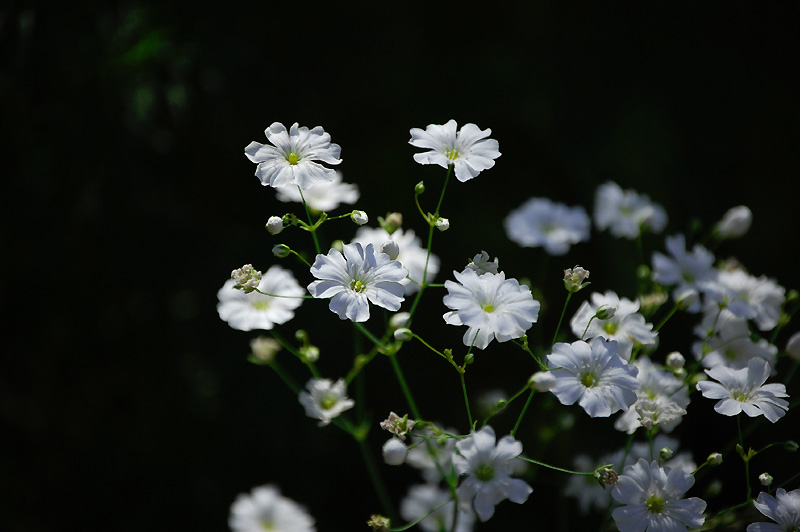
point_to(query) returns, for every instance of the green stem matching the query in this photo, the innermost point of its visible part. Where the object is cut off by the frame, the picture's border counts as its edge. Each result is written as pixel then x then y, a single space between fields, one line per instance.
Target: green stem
pixel 666 318
pixel 369 335
pixel 745 457
pixel 531 460
pixel 522 414
pixel 406 391
pixel 466 400
pixel 285 377
pixel 312 229
pixel 563 311
pixel 377 480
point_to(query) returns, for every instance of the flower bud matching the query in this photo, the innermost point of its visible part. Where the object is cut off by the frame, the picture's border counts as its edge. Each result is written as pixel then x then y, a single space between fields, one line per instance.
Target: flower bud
pixel 714 459
pixel 605 312
pixel 735 223
pixel 675 360
pixel 281 250
pixel 403 335
pixel 542 381
pixel 392 222
pixel 790 446
pixel 394 451
pixel 274 225
pixel 419 188
pixel 469 359
pixel 686 298
pixel 309 353
pixel 379 523
pixel 574 277
pixel 246 278
pixel 765 479
pixel 399 320
pixel 338 245
pixel 793 346
pixel 359 217
pixel 391 248
pixel 442 224
pixel 263 350
pixel 665 453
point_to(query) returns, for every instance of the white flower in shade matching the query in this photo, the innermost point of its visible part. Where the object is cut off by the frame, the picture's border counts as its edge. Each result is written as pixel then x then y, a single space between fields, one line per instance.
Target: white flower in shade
pixel 491 306
pixel 661 399
pixel 594 376
pixel 394 451
pixel 626 325
pixel 783 508
pixel 625 213
pixel 682 269
pixel 431 502
pixel 468 150
pixel 354 277
pixel 482 264
pixel 540 222
pixel 266 509
pixel 652 499
pixel 731 344
pixel 488 469
pixel 325 399
pixel 735 223
pixel 793 346
pixel 743 390
pixel 411 253
pixel 291 159
pixel 323 196
pixel 755 298
pixel 248 312
pixel 431 454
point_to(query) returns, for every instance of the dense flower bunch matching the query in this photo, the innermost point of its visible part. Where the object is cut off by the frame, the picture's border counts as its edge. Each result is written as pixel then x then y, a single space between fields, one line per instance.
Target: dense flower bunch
pixel 618 354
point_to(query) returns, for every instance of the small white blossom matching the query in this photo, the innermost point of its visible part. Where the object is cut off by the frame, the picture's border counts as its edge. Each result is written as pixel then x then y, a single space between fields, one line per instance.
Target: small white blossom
pixel 675 360
pixel 247 312
pixel 325 399
pixel 391 248
pixel 661 399
pixel 731 345
pixel 755 298
pixel 765 479
pixel 686 271
pixel 468 150
pixel 246 278
pixel 744 390
pixel 783 508
pixel 491 306
pixel 793 346
pixel 488 469
pixel 574 278
pixel 540 222
pixel 429 501
pixel 542 381
pixel 291 161
pixel 594 376
pixel 652 499
pixel 359 217
pixel 442 224
pixel 394 451
pixel 481 263
pixel 264 349
pixel 735 223
pixel 321 197
pixel 355 277
pixel 274 225
pixel 625 213
pixel 266 509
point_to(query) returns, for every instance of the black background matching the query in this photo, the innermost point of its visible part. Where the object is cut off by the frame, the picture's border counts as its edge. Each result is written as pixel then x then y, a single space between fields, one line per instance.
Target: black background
pixel 128 405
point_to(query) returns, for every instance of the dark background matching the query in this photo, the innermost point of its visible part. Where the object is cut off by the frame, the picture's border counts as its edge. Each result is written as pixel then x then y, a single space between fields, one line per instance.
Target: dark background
pixel 128 405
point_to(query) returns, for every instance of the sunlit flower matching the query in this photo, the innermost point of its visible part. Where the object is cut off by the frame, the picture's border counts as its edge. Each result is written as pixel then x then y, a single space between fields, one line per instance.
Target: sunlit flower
pixel 290 161
pixel 540 222
pixel 491 306
pixel 247 312
pixel 468 150
pixel 411 253
pixel 323 196
pixel 355 277
pixel 783 508
pixel 625 213
pixel 488 469
pixel 266 509
pixel 325 399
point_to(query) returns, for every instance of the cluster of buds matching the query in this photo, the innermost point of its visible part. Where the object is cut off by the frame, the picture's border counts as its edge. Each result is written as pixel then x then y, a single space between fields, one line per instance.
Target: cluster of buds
pixel 574 277
pixel 247 278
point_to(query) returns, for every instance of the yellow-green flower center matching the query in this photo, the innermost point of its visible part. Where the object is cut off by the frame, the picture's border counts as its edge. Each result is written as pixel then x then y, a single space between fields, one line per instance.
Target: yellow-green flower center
pixel 488 307
pixel 267 525
pixel 292 157
pixel 261 305
pixel 484 473
pixel 655 504
pixel 327 403
pixel 588 380
pixel 451 154
pixel 610 327
pixel 357 285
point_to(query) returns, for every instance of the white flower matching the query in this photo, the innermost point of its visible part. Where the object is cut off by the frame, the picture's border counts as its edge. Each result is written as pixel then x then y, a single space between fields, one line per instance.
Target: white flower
pixel 291 160
pixel 482 264
pixel 247 312
pixel 594 376
pixel 263 349
pixel 432 454
pixel 540 222
pixel 626 213
pixel 783 508
pixel 731 345
pixel 391 248
pixel 247 278
pixel 468 149
pixel 411 254
pixel 684 270
pixel 744 390
pixel 661 399
pixel 399 426
pixel 428 500
pixel 735 223
pixel 488 468
pixel 266 509
pixel 793 346
pixel 542 381
pixel 755 298
pixel 323 196
pixel 394 451
pixel 652 499
pixel 325 399
pixel 625 325
pixel 355 277
pixel 491 306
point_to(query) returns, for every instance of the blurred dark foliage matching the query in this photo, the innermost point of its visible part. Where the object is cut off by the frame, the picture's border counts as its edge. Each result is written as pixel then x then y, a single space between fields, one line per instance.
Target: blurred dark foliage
pixel 128 405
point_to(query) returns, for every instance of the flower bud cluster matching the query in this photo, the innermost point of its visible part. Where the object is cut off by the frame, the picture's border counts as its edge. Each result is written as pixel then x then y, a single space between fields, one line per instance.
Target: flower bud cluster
pixel 247 278
pixel 574 277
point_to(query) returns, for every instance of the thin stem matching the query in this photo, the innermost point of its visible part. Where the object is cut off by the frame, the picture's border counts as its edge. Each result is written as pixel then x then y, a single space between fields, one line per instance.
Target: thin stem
pixel 406 391
pixel 563 311
pixel 466 400
pixel 312 229
pixel 666 318
pixel 285 377
pixel 522 414
pixel 369 335
pixel 377 480
pixel 531 460
pixel 745 457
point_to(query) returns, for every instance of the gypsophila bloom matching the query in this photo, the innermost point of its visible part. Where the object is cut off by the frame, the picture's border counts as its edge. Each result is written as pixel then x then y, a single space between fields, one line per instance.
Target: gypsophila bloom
pixel 356 276
pixel 411 254
pixel 325 399
pixel 491 306
pixel 264 349
pixel 626 213
pixel 540 222
pixel 652 500
pixel 783 508
pixel 661 399
pixel 266 509
pixel 488 469
pixel 391 248
pixel 743 390
pixel 686 271
pixel 793 346
pixel 291 161
pixel 755 298
pixel 481 264
pixel 246 278
pixel 594 376
pixel 574 277
pixel 731 344
pixel 428 500
pixel 735 223
pixel 399 426
pixel 321 197
pixel 247 312
pixel 468 150
pixel 765 479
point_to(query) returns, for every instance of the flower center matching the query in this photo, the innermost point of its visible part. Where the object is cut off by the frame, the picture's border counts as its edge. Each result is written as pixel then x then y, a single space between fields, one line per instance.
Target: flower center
pixel 357 286
pixel 610 327
pixel 266 525
pixel 588 380
pixel 327 403
pixel 292 158
pixel 485 473
pixel 451 154
pixel 261 305
pixel 488 307
pixel 655 504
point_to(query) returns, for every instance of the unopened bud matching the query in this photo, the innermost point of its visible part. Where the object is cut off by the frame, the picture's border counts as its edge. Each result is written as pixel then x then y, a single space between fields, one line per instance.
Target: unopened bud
pixel 419 188
pixel 338 245
pixel 392 222
pixel 605 312
pixel 714 459
pixel 765 479
pixel 793 346
pixel 675 360
pixel 442 224
pixel 686 298
pixel 735 223
pixel 274 225
pixel 391 248
pixel 379 523
pixel 574 277
pixel 263 350
pixel 403 335
pixel 790 446
pixel 665 453
pixel 399 320
pixel 309 353
pixel 542 381
pixel 606 477
pixel 281 250
pixel 359 217
pixel 469 359
pixel 394 451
